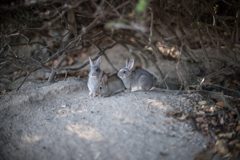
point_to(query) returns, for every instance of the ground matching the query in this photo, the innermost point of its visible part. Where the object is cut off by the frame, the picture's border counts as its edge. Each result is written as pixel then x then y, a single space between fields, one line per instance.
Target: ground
pixel 61 121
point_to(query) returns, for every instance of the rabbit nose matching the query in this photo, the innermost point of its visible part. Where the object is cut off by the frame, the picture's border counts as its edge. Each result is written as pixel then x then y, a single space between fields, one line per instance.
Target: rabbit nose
pixel 93 74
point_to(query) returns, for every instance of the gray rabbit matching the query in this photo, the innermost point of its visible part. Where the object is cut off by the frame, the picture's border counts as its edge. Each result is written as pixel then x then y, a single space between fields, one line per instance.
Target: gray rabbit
pixel 93 76
pixel 135 80
pixel 109 86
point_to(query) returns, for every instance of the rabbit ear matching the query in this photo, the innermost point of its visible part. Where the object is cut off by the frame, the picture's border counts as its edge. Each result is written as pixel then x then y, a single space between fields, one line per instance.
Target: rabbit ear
pixel 127 61
pixel 104 79
pixel 91 62
pixel 99 60
pixel 130 64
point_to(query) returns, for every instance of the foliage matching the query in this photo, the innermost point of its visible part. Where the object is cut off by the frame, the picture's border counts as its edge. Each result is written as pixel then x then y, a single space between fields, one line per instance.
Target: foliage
pixel 203 33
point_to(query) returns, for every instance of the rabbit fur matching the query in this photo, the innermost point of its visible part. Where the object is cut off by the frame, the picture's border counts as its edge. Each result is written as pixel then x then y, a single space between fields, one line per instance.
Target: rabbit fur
pixel 93 76
pixel 135 80
pixel 109 86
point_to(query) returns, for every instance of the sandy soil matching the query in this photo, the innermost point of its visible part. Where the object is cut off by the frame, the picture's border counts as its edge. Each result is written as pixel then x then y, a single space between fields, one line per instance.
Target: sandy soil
pixel 60 121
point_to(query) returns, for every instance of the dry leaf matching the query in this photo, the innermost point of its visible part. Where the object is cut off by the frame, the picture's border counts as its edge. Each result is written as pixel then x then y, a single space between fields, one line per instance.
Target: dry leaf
pixel 231 143
pixel 200 112
pixel 238 128
pixel 221 146
pixel 231 124
pixel 226 135
pixel 214 123
pixel 226 116
pixel 230 115
pixel 202 102
pixel 227 156
pixel 203 156
pixel 237 82
pixel 70 60
pixel 231 85
pixel 169 121
pixel 216 131
pixel 183 117
pixel 204 126
pixel 199 119
pixel 204 107
pixel 208 81
pixel 172 113
pixel 213 109
pixel 6 90
pixel 236 151
pixel 222 121
pixel 221 104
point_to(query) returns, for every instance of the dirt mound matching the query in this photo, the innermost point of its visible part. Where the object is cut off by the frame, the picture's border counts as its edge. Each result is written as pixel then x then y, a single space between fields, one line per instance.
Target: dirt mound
pixel 60 121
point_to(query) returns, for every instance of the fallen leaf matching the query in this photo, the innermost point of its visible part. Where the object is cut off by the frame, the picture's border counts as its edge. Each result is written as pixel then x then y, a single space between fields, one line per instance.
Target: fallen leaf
pixel 213 109
pixel 231 143
pixel 237 82
pixel 226 135
pixel 226 116
pixel 208 81
pixel 216 131
pixel 236 151
pixel 199 119
pixel 230 115
pixel 202 102
pixel 222 121
pixel 204 107
pixel 169 121
pixel 232 124
pixel 238 128
pixel 221 104
pixel 6 90
pixel 183 117
pixel 200 112
pixel 221 146
pixel 204 126
pixel 231 85
pixel 203 155
pixel 214 123
pixel 227 156
pixel 70 60
pixel 172 113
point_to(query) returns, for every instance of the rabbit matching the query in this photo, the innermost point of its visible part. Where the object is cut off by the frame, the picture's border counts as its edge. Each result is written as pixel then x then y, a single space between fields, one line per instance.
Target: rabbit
pixel 93 76
pixel 135 80
pixel 109 86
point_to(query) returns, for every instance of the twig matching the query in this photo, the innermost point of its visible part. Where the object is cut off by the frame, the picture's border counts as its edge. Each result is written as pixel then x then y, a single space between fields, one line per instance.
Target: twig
pixel 104 54
pixel 177 68
pixel 151 29
pixel 204 50
pixel 53 73
pixel 23 81
pixel 85 64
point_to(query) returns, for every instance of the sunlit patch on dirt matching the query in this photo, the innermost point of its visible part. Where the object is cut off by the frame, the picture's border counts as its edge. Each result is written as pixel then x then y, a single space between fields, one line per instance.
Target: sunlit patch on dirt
pixel 157 104
pixel 31 139
pixel 84 132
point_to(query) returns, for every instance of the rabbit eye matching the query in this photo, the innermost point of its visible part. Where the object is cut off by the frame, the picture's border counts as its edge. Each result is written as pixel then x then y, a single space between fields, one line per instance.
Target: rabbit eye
pixel 100 87
pixel 124 71
pixel 98 70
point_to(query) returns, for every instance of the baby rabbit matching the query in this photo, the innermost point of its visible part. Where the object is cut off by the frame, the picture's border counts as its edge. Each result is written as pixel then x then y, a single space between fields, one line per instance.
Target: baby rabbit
pixel 93 76
pixel 109 86
pixel 138 79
